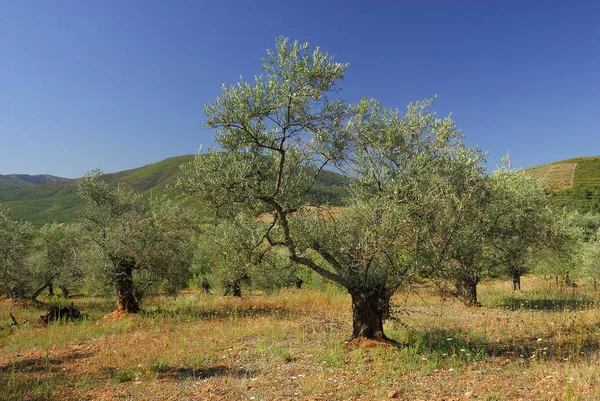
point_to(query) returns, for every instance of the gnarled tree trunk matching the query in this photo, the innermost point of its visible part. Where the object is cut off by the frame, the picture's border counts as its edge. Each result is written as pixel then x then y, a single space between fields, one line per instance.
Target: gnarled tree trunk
pixel 368 313
pixel 126 300
pixel 234 287
pixel 39 291
pixel 516 279
pixel 466 290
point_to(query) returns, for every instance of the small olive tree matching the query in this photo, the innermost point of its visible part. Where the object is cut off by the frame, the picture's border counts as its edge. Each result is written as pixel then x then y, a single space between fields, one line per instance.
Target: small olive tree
pixel 590 258
pixel 129 239
pixel 520 222
pixel 560 257
pixel 15 244
pixel 282 130
pixel 58 258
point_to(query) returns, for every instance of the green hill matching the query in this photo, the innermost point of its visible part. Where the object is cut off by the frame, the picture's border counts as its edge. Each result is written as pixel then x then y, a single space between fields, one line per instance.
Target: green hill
pixel 56 201
pixel 573 183
pixel 25 180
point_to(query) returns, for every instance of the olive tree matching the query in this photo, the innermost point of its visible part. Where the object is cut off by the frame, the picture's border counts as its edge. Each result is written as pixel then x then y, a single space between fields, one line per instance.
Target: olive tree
pixel 282 130
pixel 227 253
pixel 520 222
pixel 590 258
pixel 15 244
pixel 130 239
pixel 505 221
pixel 58 260
pixel 560 256
pixel 231 254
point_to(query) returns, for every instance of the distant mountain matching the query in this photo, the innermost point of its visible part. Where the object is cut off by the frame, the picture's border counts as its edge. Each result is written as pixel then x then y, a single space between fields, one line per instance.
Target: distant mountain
pixel 55 201
pixel 572 183
pixel 23 180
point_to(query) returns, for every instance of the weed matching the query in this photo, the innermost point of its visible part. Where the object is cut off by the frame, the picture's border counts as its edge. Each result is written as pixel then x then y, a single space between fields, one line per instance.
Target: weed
pixel 282 353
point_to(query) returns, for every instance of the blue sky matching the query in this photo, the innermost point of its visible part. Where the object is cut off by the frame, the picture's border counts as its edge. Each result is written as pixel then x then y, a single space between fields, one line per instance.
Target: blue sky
pixel 121 84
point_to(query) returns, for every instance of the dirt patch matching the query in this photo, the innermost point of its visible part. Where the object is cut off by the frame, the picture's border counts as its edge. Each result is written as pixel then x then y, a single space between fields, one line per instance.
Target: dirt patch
pixel 366 343
pixel 117 316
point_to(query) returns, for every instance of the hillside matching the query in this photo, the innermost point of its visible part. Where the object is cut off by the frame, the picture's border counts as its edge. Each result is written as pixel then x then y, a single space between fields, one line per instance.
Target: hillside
pixel 25 180
pixel 56 201
pixel 573 183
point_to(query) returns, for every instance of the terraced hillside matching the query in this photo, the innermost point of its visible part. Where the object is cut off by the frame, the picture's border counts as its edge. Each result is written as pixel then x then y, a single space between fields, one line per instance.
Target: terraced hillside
pixel 56 201
pixel 573 183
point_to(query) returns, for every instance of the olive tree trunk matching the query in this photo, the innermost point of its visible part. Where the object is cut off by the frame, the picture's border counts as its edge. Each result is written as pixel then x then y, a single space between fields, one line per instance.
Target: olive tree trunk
pixel 39 291
pixel 516 280
pixel 65 291
pixel 466 290
pixel 126 300
pixel 368 313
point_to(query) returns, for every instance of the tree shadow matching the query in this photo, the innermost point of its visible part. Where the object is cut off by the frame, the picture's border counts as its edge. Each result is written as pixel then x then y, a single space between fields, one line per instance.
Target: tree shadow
pixel 41 364
pixel 234 312
pixel 530 348
pixel 546 304
pixel 458 344
pixel 168 372
pixel 445 343
pixel 178 373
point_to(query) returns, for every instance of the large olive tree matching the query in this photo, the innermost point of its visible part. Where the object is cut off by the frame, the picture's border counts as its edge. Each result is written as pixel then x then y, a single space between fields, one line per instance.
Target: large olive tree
pixel 279 133
pixel 130 239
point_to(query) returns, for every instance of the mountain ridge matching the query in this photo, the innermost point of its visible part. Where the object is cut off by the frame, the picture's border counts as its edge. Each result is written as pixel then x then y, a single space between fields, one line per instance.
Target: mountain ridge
pixel 57 201
pixel 22 180
pixel 571 183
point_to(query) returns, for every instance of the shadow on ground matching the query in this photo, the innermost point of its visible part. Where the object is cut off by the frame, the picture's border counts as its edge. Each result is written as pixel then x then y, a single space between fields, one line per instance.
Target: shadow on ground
pixel 178 373
pixel 460 344
pixel 41 364
pixel 226 313
pixel 546 304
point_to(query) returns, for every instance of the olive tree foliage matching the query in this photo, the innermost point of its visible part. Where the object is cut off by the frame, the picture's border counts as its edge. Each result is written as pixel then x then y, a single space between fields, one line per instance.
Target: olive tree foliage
pixel 15 244
pixel 280 131
pixel 58 259
pixel 134 247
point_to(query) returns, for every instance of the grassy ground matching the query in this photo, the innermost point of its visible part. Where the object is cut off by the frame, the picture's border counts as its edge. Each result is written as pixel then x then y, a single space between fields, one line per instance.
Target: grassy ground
pixel 541 344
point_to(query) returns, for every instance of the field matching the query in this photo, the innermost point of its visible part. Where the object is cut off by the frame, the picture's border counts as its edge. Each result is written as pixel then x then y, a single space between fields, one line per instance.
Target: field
pixel 541 344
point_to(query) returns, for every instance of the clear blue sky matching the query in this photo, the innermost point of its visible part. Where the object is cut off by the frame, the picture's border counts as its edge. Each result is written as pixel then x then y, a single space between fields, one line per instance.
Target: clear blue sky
pixel 120 84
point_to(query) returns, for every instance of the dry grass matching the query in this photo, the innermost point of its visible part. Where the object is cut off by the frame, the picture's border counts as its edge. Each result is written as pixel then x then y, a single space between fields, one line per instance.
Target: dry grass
pixel 538 345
